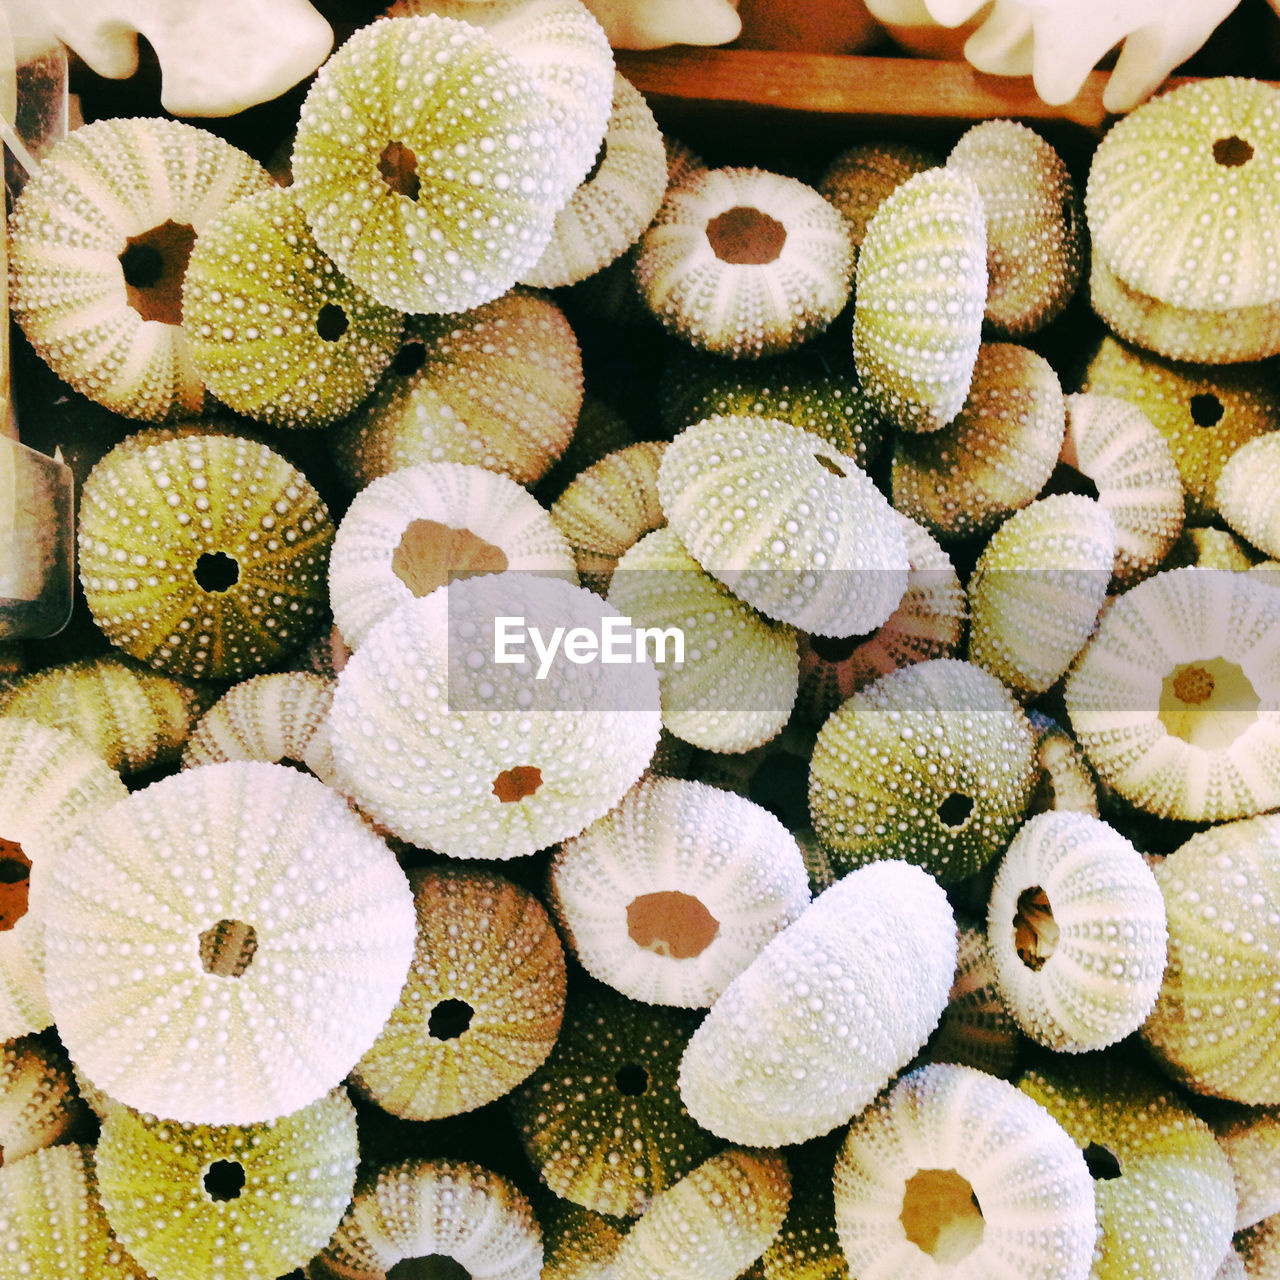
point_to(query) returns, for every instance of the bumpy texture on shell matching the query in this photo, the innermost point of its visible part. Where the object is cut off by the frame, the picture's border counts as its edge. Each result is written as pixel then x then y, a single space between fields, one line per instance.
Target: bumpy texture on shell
pixel 487 175
pixel 1258 1248
pixel 500 386
pixel 104 185
pixel 934 764
pixel 859 180
pixel 237 919
pixel 39 1103
pixel 736 686
pixel 601 1120
pixel 745 263
pixel 1181 194
pixel 1037 589
pixel 920 292
pixel 1174 700
pixel 406 533
pixel 1251 1138
pixel 1065 782
pixel 1247 495
pixel 1214 1025
pixel 1112 442
pixel 156 516
pixel 485 944
pixel 786 522
pixel 806 1246
pixel 1029 1184
pixel 712 1224
pixel 994 457
pixel 166 1189
pixel 577 1243
pixel 620 890
pixel 820 1021
pixel 1076 926
pixel 452 751
pixel 420 1208
pixel 275 329
pixel 1169 1208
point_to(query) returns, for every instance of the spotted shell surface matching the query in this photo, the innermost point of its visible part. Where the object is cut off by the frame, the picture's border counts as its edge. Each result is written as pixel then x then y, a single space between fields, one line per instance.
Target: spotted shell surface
pixel 860 178
pixel 159 1184
pixel 827 1013
pixel 1251 1138
pixel 577 1244
pixel 806 1246
pixel 1031 1213
pixel 1064 779
pixel 39 1103
pixel 104 186
pixel 486 170
pixel 786 522
pixel 487 959
pixel 1246 493
pixel 193 930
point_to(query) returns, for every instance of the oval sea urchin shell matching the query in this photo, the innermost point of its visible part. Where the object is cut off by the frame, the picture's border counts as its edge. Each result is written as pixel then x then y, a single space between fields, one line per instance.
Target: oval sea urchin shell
pixel 1246 493
pixel 859 180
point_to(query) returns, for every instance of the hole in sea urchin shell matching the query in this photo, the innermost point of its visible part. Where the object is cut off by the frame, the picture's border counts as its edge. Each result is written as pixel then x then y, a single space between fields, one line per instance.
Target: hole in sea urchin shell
pixel 518 783
pixel 224 1180
pixel 631 1079
pixel 15 868
pixel 331 322
pixel 431 1266
pixel 430 554
pixel 1101 1162
pixel 1232 152
pixel 216 571
pixel 409 359
pixel 398 167
pixel 955 809
pixel 227 948
pixel 1208 703
pixel 743 236
pixel 671 923
pixel 154 264
pixel 941 1214
pixel 1035 931
pixel 449 1019
pixel 1206 409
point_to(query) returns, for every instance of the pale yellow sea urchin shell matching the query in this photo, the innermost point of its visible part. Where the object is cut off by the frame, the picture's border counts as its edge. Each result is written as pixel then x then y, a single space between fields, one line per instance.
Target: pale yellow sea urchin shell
pixel 1247 496
pixel 192 929
pixel 860 178
pixel 1251 1138
pixel 824 1016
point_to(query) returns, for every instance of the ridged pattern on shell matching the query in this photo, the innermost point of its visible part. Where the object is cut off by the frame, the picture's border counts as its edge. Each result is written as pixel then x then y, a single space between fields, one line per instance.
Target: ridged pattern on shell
pixel 737 684
pixel 712 1224
pixel 609 212
pixel 418 1208
pixel 500 386
pixel 827 1013
pixel 1251 1138
pixel 806 1246
pixel 920 292
pixel 675 837
pixel 146 920
pixel 860 178
pixel 1169 1212
pixel 1214 1026
pixel 1112 442
pixel 1032 1187
pixel 786 522
pixel 1247 495
pixel 1065 782
pixel 994 457
pixel 889 764
pixel 608 507
pixel 488 173
pixel 741 306
pixel 1181 195
pixel 1205 414
pixel 1035 223
pixel 159 1185
pixel 1080 968
pixel 428 763
pixel 104 184
pixel 39 1104
pixel 1174 700
pixel 1037 589
pixel 275 329
pixel 490 945
pixel 601 1120
pixel 52 1226
pixel 149 515
pixel 577 1244
pixel 405 533
pixel 279 718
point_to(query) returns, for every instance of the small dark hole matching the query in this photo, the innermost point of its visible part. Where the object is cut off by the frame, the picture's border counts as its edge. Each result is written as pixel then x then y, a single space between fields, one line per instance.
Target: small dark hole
pixel 1102 1164
pixel 224 1179
pixel 449 1019
pixel 409 359
pixel 142 265
pixel 1206 409
pixel 1232 152
pixel 954 811
pixel 13 871
pixel 398 168
pixel 331 323
pixel 632 1080
pixel 830 466
pixel 216 571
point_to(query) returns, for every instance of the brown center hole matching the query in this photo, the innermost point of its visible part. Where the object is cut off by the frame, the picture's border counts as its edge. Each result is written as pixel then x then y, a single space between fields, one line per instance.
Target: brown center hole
pixel 409 359
pixel 430 554
pixel 1206 409
pixel 830 466
pixel 449 1019
pixel 632 1079
pixel 398 167
pixel 331 322
pixel 224 1180
pixel 518 783
pixel 941 1215
pixel 216 571
pixel 431 1266
pixel 954 811
pixel 1035 931
pixel 1232 152
pixel 744 236
pixel 671 923
pixel 227 948
pixel 1101 1162
pixel 15 869
pixel 154 265
pixel 1208 703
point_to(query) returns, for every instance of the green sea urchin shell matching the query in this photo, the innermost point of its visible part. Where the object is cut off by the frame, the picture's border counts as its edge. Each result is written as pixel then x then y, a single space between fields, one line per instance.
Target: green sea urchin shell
pixel 1246 493
pixel 954 1172
pixel 860 178
pixel 241 1202
pixel 195 923
pixel 203 555
pixel 483 1002
pixel 275 329
pixel 920 292
pixel 577 1244
pixel 98 244
pixel 39 1104
pixel 486 177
